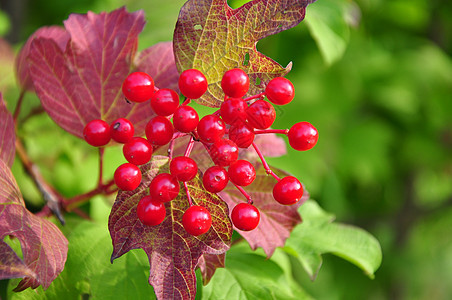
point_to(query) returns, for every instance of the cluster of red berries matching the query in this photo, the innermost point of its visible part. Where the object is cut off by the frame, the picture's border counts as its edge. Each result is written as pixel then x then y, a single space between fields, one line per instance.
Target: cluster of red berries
pixel 239 118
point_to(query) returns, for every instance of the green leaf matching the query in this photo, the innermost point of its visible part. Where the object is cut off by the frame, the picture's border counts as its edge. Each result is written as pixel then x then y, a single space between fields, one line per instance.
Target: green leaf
pixel 249 276
pixel 318 235
pixel 327 22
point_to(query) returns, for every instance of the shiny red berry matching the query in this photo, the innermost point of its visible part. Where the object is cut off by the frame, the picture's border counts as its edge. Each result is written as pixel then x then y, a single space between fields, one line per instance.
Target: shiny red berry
pixel 224 152
pixel 164 102
pixel 164 187
pixel 303 136
pixel 196 220
pixel 159 131
pixel 235 83
pixel 185 119
pixel 288 190
pixel 192 83
pixel 261 114
pixel 183 168
pixel 215 179
pixel 280 91
pixel 245 216
pixel 233 110
pixel 138 87
pixel 242 172
pixel 242 134
pixel 150 212
pixel 97 133
pixel 211 128
pixel 122 130
pixel 127 177
pixel 138 151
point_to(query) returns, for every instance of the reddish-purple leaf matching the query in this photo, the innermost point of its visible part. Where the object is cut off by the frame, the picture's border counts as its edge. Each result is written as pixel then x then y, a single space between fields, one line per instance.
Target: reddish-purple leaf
pixel 11 266
pixel 173 253
pixel 84 81
pixel 208 263
pixel 212 37
pixel 277 221
pixel 43 245
pixel 7 134
pixel 55 33
pixel 158 61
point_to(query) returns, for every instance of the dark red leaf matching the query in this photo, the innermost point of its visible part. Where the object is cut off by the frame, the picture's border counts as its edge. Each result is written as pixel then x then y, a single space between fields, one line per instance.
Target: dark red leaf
pixel 208 263
pixel 277 221
pixel 7 134
pixel 173 253
pixel 83 82
pixel 158 61
pixel 55 33
pixel 212 37
pixel 11 266
pixel 43 245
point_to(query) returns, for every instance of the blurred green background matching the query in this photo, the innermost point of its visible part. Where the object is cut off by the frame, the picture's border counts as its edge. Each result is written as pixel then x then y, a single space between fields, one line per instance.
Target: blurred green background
pixel 374 77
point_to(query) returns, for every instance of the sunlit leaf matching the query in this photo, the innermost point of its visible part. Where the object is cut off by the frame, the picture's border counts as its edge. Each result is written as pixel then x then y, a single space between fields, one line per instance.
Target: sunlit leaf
pixel 212 37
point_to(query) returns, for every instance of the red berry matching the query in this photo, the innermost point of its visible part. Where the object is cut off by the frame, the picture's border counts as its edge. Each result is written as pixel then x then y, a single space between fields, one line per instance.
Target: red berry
pixel 159 131
pixel 164 102
pixel 245 216
pixel 224 152
pixel 127 177
pixel 183 168
pixel 185 119
pixel 150 212
pixel 211 128
pixel 138 87
pixel 280 91
pixel 192 83
pixel 303 136
pixel 261 114
pixel 233 110
pixel 122 130
pixel 97 133
pixel 138 151
pixel 196 220
pixel 215 179
pixel 288 190
pixel 242 172
pixel 235 83
pixel 242 134
pixel 164 187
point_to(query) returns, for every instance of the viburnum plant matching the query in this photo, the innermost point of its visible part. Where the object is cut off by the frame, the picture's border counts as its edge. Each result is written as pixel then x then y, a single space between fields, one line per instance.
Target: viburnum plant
pixel 189 180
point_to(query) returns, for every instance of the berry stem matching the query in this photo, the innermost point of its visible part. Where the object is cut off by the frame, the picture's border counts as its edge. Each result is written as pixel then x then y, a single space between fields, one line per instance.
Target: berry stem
pixel 52 197
pixel 186 102
pixel 264 162
pixel 188 194
pixel 244 193
pixel 69 204
pixel 189 147
pixel 18 105
pixel 278 131
pixel 101 165
pixel 260 96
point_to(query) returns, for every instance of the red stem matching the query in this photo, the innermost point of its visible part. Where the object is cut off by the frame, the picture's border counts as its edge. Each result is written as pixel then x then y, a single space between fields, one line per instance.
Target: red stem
pixel 261 95
pixel 188 194
pixel 244 193
pixel 101 162
pixel 190 145
pixel 186 102
pixel 278 131
pixel 264 163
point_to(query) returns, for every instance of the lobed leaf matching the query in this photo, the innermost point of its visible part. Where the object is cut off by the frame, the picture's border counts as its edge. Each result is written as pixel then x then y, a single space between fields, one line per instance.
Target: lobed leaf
pixel 212 37
pixel 318 235
pixel 173 253
pixel 43 245
pixel 158 61
pixel 83 81
pixel 208 263
pixel 7 135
